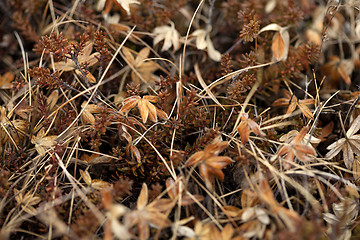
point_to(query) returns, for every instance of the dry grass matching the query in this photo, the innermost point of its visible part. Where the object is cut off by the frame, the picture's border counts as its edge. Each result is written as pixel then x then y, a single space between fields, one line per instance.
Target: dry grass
pixel 179 119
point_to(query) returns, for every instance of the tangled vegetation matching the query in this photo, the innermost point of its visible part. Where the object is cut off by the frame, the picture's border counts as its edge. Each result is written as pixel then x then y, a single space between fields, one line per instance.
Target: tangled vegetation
pixel 164 119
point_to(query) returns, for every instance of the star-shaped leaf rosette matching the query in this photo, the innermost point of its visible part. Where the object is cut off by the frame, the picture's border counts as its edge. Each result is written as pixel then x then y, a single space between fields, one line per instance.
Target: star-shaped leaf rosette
pixel 146 107
pixel 149 214
pixel 296 149
pixel 140 67
pixel 209 163
pixel 292 102
pixel 350 144
pixel 170 36
pixel 85 58
pixel 247 126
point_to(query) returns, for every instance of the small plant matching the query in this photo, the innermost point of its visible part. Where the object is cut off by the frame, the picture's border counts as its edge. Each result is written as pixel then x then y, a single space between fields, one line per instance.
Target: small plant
pixel 144 119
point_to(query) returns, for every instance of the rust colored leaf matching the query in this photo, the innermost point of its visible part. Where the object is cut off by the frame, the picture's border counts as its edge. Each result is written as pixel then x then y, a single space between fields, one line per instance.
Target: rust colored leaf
pixel 145 106
pixel 6 80
pixel 338 69
pixel 326 131
pixel 292 102
pixel 343 74
pixel 281 41
pixel 246 126
pixel 152 111
pixel 278 46
pixel 143 109
pixel 296 149
pixel 209 163
pixel 130 103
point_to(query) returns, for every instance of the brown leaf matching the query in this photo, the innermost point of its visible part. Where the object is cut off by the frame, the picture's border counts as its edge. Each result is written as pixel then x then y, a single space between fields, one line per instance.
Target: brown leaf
pixel 86 177
pixel 314 36
pixel 52 99
pixel 146 215
pixel 151 98
pixel 356 168
pixel 209 163
pixel 130 103
pixel 343 74
pixel 292 102
pixel 27 201
pixel 87 115
pixel 152 111
pixel 244 132
pixel 281 41
pixel 176 191
pixel 94 159
pixel 350 145
pixel 163 115
pixel 278 46
pixel 305 110
pixel 296 149
pixel 42 142
pixel 99 184
pixel 326 131
pixel 143 197
pixel 135 153
pixel 194 159
pixel 248 198
pixel 84 57
pixel 143 109
pixel 128 55
pixel 145 106
pixel 246 125
pixel 338 69
pixel 94 183
pixel 141 68
pixel 6 80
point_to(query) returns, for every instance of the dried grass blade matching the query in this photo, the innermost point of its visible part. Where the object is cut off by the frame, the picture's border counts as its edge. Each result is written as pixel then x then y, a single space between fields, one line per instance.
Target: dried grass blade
pixel 203 84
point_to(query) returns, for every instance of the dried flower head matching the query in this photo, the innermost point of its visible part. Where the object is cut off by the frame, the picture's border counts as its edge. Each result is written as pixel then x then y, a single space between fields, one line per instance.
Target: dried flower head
pixel 250 31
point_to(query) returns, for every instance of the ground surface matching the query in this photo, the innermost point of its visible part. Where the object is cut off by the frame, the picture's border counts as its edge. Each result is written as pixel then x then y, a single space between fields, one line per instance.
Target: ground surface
pixel 144 119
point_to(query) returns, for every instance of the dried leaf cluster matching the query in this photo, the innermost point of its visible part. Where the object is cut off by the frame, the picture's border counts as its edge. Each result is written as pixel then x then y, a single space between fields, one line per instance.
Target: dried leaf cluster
pixel 144 119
